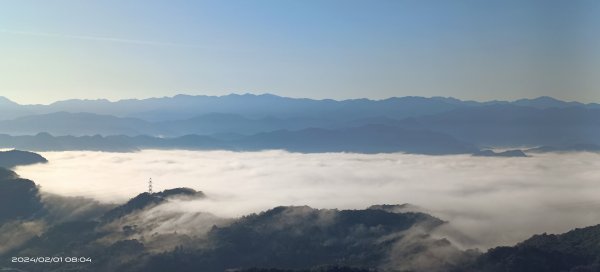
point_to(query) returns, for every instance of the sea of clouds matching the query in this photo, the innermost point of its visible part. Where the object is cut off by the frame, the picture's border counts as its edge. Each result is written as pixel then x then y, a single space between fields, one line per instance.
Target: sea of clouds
pixel 487 201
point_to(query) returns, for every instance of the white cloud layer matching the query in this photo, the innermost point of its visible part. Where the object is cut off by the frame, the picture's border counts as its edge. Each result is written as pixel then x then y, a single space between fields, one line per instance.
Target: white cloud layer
pixel 494 201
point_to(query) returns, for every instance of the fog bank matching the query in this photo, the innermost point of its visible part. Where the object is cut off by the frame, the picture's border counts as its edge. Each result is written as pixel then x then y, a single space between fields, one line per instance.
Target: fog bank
pixel 493 201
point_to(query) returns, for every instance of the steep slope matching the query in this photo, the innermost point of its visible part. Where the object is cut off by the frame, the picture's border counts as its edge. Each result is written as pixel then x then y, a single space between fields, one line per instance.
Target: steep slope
pixel 577 250
pixel 19 198
pixel 299 238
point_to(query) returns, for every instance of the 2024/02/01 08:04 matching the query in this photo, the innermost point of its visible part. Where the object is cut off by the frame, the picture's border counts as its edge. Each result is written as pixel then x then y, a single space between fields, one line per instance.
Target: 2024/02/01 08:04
pixel 51 259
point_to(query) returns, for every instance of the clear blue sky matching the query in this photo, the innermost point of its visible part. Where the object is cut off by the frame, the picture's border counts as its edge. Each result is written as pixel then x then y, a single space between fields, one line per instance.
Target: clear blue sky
pixel 481 50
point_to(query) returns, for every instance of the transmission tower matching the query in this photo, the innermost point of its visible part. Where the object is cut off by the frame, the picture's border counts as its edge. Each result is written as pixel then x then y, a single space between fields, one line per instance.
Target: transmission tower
pixel 150 186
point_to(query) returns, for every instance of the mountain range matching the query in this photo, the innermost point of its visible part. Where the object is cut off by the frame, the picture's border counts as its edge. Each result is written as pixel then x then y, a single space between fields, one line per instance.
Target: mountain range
pixel 267 105
pixel 365 139
pixel 251 122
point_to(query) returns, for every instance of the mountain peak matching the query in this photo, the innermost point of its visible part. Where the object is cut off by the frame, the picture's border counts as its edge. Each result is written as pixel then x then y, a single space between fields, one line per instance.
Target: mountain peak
pixel 81 101
pixel 7 102
pixel 145 200
pixel 545 102
pixel 545 97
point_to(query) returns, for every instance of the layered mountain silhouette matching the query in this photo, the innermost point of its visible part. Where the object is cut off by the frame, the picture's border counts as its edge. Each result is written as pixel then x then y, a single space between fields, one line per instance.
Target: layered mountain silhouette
pixel 253 106
pixel 76 124
pixel 365 139
pixel 250 122
pixel 510 125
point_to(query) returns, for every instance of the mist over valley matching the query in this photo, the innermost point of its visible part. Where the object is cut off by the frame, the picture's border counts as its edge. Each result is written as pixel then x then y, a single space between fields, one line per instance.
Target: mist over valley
pixel 478 196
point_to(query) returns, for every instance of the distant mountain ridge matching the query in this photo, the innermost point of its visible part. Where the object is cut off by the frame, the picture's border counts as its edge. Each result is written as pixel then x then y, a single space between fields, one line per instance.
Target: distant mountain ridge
pixel 265 105
pixel 83 123
pixel 363 139
pixel 544 102
pixel 510 125
pixel 246 121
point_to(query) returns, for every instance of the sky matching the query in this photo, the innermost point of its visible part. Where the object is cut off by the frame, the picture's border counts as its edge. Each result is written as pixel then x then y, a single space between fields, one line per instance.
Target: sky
pixel 468 49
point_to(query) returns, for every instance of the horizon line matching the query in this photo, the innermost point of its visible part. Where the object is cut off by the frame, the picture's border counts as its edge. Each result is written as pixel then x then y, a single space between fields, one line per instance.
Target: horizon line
pixel 290 97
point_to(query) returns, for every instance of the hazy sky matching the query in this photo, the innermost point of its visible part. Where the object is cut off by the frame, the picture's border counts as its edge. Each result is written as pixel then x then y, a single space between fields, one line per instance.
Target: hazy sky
pixel 482 50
